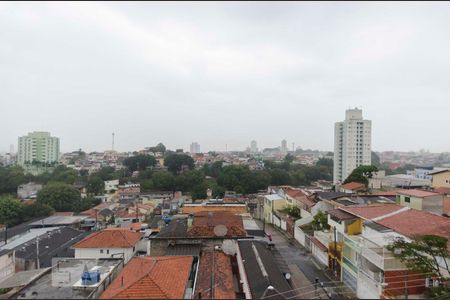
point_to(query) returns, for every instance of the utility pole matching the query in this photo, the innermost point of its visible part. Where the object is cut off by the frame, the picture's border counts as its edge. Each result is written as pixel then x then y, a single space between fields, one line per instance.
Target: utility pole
pixel 37 253
pixel 335 253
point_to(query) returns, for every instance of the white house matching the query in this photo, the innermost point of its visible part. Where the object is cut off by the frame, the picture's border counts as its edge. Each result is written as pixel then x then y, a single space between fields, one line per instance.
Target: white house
pixel 111 185
pixel 109 243
pixel 7 263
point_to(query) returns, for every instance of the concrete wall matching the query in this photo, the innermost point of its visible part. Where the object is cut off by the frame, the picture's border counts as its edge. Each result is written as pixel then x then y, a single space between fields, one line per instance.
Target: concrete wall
pixel 107 253
pixel 7 265
pixel 441 180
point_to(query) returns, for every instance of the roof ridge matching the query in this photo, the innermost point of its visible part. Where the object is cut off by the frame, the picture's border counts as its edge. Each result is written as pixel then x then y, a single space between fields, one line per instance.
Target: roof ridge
pixel 122 232
pixel 86 239
pixel 403 209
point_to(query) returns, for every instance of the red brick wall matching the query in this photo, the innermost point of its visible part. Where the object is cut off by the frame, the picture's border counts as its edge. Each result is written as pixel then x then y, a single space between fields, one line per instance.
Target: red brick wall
pixel 396 283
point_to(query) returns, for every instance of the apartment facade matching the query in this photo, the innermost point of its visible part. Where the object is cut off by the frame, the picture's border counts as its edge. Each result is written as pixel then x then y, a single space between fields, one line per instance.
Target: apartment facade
pixel 352 144
pixel 38 146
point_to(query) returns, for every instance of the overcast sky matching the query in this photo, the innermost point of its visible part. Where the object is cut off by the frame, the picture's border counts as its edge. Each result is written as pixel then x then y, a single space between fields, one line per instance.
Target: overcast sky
pixel 224 73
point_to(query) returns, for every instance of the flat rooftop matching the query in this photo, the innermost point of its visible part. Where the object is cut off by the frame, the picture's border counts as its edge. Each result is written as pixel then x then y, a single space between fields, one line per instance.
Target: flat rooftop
pixel 64 282
pixel 58 221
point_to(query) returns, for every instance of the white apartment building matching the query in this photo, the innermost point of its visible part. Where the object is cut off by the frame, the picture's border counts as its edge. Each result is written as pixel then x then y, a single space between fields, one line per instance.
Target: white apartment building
pixel 195 148
pixel 38 146
pixel 352 144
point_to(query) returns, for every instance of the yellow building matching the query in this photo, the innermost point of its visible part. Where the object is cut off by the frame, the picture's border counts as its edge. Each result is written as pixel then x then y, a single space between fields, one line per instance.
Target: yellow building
pixel 272 203
pixel 440 179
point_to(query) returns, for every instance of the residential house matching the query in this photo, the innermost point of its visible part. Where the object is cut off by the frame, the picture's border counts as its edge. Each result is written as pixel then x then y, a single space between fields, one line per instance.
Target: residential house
pixel 204 229
pixel 7 263
pixel 167 277
pixel 273 203
pixel 367 267
pixel 36 248
pixel 214 207
pixel 440 178
pixel 421 200
pixel 109 243
pixel 260 270
pixel 216 277
pixel 28 190
pixel 111 185
pixel 66 279
pixel 352 187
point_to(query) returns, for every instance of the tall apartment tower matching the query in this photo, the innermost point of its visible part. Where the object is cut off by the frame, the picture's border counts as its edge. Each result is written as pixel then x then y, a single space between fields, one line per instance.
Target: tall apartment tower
pixel 38 146
pixel 195 148
pixel 253 147
pixel 284 148
pixel 352 144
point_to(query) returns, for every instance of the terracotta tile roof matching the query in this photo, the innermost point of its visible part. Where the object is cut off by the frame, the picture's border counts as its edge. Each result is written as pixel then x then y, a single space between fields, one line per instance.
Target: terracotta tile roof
pixel 293 192
pixel 341 215
pixel 416 193
pixel 443 190
pixel 63 213
pixel 151 277
pixel 205 224
pixel 135 226
pixel 308 202
pixel 110 238
pixel 353 186
pixel 386 193
pixel 415 222
pixel 372 211
pixel 127 214
pixel 223 276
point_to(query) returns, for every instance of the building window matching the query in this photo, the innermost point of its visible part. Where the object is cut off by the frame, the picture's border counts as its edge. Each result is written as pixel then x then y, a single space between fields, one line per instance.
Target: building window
pixel 107 251
pixel 101 250
pixel 407 200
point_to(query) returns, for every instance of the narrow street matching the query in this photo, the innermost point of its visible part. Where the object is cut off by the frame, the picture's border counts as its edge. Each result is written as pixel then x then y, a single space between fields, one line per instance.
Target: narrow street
pixel 304 269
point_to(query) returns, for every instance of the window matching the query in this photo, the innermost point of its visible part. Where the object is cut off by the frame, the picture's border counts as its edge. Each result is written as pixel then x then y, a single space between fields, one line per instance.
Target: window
pixel 107 251
pixel 101 250
pixel 407 200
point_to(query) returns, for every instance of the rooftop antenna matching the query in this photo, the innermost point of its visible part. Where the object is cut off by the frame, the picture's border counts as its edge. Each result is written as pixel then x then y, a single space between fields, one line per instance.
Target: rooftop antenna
pixel 112 141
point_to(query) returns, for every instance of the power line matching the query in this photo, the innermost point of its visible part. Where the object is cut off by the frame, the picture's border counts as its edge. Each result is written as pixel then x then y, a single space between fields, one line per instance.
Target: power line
pixel 297 289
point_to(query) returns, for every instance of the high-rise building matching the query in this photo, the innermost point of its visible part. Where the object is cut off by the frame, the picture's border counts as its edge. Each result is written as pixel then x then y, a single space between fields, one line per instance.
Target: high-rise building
pixel 38 146
pixel 284 148
pixel 352 144
pixel 195 148
pixel 253 147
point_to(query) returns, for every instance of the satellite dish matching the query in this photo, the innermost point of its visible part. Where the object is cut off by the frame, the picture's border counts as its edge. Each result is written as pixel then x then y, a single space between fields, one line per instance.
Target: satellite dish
pixel 228 247
pixel 220 230
pixel 287 276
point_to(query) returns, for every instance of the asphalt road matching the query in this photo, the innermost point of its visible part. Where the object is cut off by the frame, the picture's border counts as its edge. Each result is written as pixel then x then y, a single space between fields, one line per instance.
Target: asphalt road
pixel 304 269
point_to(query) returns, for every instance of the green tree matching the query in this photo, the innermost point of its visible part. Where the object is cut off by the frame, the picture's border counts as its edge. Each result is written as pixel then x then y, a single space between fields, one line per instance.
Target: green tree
pixel 95 186
pixel 176 161
pixel 320 221
pixel 361 174
pixel 158 148
pixel 11 211
pixel 163 181
pixel 199 191
pixel 292 210
pixel 279 177
pixel 36 210
pixel 60 196
pixel 289 158
pixel 139 162
pixel 375 159
pixel 423 253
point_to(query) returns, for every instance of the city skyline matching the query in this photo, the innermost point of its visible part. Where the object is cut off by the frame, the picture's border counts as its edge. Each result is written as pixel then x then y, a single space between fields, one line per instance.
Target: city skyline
pixel 158 72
